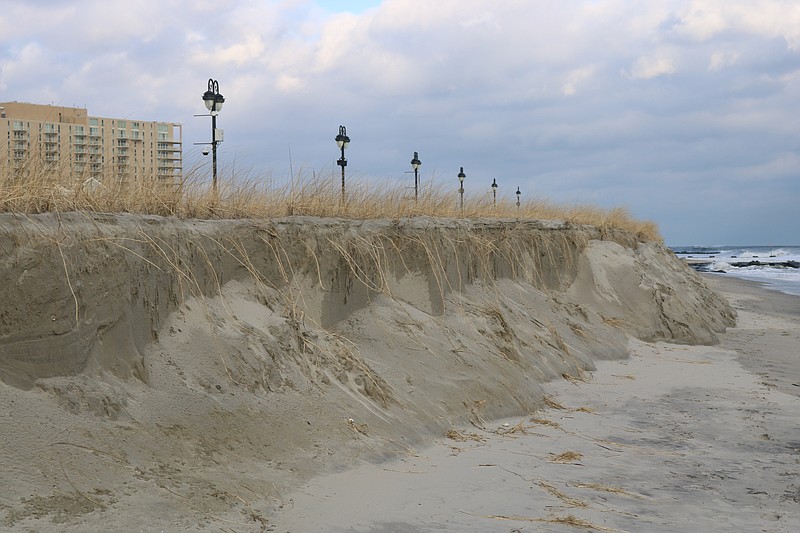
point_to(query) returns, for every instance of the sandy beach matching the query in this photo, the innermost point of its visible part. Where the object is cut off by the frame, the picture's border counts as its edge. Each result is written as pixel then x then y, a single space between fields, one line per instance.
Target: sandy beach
pixel 675 438
pixel 309 374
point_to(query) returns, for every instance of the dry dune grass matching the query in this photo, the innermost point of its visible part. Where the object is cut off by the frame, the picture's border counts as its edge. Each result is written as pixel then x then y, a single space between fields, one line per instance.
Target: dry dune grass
pixel 567 457
pixel 38 189
pixel 568 520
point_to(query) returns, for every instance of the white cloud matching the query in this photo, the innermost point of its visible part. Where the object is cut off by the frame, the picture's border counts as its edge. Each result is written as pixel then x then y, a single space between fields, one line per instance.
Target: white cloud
pixel 646 68
pixel 721 59
pixel 576 77
pixel 289 84
pixel 704 19
pixel 244 52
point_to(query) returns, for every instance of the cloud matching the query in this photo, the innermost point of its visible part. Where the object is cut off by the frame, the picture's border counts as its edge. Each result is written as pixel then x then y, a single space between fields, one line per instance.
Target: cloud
pixel 575 78
pixel 528 91
pixel 705 19
pixel 721 59
pixel 645 68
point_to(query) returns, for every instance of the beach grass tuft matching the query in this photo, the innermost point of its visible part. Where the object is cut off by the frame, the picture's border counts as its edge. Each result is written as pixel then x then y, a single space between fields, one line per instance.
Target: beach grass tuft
pixel 567 457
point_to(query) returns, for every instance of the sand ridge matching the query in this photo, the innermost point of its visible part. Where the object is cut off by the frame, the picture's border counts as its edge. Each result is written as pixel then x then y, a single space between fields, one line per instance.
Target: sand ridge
pixel 186 375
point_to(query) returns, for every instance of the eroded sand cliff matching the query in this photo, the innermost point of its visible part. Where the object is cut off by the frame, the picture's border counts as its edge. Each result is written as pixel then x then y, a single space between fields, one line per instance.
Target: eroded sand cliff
pixel 185 372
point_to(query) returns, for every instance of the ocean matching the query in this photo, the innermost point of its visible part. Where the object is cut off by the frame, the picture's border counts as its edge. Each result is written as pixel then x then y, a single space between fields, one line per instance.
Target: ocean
pixel 777 267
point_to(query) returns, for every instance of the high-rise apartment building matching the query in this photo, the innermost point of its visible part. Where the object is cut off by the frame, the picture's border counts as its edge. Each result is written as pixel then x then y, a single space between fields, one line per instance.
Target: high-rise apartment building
pixel 68 140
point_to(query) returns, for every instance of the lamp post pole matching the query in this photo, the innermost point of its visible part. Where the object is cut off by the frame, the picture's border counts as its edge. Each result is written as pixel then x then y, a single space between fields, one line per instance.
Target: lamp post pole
pixel 416 163
pixel 213 100
pixel 494 193
pixel 461 177
pixel 518 195
pixel 342 141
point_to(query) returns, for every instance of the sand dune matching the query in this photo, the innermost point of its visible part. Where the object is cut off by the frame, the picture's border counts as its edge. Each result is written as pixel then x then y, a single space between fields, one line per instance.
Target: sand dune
pixel 165 375
pixel 675 438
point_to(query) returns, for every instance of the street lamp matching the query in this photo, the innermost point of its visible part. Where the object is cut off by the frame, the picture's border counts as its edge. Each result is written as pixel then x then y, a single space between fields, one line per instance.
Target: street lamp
pixel 461 177
pixel 416 163
pixel 518 195
pixel 342 141
pixel 494 192
pixel 213 101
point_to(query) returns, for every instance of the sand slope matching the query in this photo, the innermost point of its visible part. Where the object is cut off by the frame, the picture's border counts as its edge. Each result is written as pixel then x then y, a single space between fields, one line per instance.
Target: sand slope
pixel 158 374
pixel 675 438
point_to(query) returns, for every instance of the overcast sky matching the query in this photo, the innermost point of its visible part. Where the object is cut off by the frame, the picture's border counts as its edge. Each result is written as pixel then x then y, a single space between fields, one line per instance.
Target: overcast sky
pixel 687 112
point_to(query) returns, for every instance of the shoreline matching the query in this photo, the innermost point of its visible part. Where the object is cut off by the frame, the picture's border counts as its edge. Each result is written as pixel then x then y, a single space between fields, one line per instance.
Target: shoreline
pixel 763 312
pixel 674 438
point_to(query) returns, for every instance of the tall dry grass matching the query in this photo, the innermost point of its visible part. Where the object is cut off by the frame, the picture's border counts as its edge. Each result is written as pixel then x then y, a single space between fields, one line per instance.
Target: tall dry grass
pixel 39 189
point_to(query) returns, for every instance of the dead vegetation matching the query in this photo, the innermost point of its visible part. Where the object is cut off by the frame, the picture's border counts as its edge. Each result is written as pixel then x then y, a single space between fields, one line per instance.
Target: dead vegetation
pixel 568 457
pixel 545 422
pixel 572 502
pixel 605 488
pixel 552 404
pixel 460 436
pixel 40 189
pixel 568 520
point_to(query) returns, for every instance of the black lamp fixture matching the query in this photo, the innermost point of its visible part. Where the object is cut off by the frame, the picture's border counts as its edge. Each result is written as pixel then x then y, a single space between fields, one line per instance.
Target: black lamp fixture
pixel 213 100
pixel 518 193
pixel 415 164
pixel 494 192
pixel 461 177
pixel 342 141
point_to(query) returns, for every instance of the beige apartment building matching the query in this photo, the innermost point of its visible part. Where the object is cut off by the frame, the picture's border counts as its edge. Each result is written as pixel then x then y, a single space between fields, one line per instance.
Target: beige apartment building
pixel 37 137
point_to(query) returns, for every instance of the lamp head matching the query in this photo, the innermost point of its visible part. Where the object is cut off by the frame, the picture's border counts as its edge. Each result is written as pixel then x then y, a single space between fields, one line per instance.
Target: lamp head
pixel 212 98
pixel 461 175
pixel 342 140
pixel 518 193
pixel 494 183
pixel 415 162
pixel 218 101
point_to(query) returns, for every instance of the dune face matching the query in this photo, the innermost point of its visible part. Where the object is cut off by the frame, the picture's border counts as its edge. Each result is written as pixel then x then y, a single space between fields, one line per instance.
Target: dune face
pixel 186 369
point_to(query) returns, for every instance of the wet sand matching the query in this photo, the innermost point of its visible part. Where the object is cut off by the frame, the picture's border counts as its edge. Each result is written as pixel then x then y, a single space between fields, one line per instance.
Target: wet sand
pixel 676 438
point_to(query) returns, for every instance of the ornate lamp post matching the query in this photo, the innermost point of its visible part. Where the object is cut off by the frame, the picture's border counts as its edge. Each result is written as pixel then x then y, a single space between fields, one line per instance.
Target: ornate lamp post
pixel 518 195
pixel 415 164
pixel 342 141
pixel 214 101
pixel 461 177
pixel 494 193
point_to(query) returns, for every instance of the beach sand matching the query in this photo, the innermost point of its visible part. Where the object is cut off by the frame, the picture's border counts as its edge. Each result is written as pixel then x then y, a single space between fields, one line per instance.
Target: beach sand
pixel 675 438
pixel 165 375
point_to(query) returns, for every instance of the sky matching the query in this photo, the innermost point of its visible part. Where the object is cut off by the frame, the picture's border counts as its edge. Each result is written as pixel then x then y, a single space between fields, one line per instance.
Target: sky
pixel 685 112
